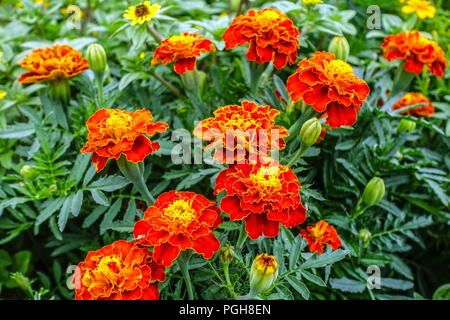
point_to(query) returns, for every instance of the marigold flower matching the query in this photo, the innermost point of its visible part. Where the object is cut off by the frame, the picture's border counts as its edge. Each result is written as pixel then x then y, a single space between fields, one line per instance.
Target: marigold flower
pixel 422 8
pixel 114 132
pixel 142 12
pixel 264 195
pixel 179 220
pixel 119 271
pixel 329 85
pixel 417 50
pixel 183 49
pixel 54 63
pixel 241 133
pixel 412 98
pixel 319 235
pixel 271 35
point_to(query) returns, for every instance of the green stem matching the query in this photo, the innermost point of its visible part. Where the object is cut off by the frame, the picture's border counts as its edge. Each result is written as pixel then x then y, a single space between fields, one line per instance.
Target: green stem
pixel 99 78
pixel 359 209
pixel 167 85
pixel 135 173
pixel 183 263
pixel 402 80
pixel 297 156
pixel 227 279
pixel 242 237
pixel 152 31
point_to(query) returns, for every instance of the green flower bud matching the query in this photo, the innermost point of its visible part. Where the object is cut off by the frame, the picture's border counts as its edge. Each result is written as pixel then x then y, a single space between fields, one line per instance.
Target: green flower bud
pixel 406 125
pixel 364 235
pixel 96 57
pixel 310 132
pixel 263 274
pixel 28 172
pixel 373 192
pixel 53 188
pixel 339 47
pixel 226 253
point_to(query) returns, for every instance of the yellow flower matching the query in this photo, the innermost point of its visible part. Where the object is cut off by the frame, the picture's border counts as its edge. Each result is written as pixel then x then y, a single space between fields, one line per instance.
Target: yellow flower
pixel 19 4
pixel 422 8
pixel 1 53
pixel 142 55
pixel 2 94
pixel 312 2
pixel 142 12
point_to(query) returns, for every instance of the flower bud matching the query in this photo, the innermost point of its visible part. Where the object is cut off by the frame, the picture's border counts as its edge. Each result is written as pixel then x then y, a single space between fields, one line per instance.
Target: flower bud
pixel 310 132
pixel 96 57
pixel 364 235
pixel 373 192
pixel 263 274
pixel 226 253
pixel 53 188
pixel 339 47
pixel 28 172
pixel 406 125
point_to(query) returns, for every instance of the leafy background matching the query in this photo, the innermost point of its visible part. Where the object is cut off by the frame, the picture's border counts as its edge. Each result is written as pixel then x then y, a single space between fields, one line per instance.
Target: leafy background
pixel 49 222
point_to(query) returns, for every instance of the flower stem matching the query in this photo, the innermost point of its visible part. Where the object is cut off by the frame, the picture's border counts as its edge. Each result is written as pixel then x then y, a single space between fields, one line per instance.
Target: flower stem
pixel 297 156
pixel 135 173
pixel 99 78
pixel 152 31
pixel 242 237
pixel 183 263
pixel 227 279
pixel 167 85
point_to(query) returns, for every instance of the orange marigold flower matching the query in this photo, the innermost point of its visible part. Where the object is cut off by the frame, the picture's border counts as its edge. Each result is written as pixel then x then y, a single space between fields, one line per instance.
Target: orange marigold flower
pixel 319 235
pixel 264 195
pixel 55 63
pixel 271 35
pixel 119 271
pixel 179 220
pixel 412 98
pixel 114 132
pixel 242 132
pixel 417 50
pixel 183 49
pixel 329 85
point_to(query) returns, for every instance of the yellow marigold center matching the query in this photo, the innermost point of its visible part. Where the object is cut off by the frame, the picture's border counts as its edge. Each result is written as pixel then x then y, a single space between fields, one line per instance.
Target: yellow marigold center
pixel 181 212
pixel 141 10
pixel 266 180
pixel 339 67
pixel 110 266
pixel 182 40
pixel 239 122
pixel 107 272
pixel 267 17
pixel 117 124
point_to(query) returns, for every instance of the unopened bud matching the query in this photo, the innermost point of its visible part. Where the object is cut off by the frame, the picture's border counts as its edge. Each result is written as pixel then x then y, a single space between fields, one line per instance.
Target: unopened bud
pixel 226 253
pixel 339 47
pixel 53 188
pixel 406 125
pixel 96 57
pixel 364 235
pixel 28 172
pixel 373 192
pixel 310 132
pixel 263 274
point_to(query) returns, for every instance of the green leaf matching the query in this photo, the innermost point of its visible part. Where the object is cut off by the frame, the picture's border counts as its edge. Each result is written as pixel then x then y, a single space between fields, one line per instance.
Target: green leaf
pixel 17 131
pixel 110 215
pixel 130 77
pixel 396 283
pixel 100 197
pixel 438 191
pixel 348 285
pixel 93 216
pixel 299 286
pixel 50 207
pixel 109 183
pixel 313 278
pixel 65 212
pixel 21 261
pixel 442 293
pixel 319 261
pixel 77 201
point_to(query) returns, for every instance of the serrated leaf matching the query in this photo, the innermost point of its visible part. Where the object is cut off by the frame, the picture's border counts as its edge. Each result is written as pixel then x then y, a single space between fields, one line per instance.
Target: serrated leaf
pixel 93 216
pixel 100 197
pixel 109 183
pixel 348 285
pixel 319 261
pixel 396 283
pixel 313 278
pixel 77 201
pixel 299 286
pixel 65 212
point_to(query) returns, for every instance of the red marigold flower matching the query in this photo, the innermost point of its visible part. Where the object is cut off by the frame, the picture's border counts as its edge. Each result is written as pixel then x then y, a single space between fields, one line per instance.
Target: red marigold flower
pixel 241 133
pixel 417 50
pixel 183 49
pixel 329 85
pixel 264 195
pixel 412 98
pixel 319 235
pixel 119 271
pixel 179 220
pixel 52 63
pixel 114 132
pixel 271 35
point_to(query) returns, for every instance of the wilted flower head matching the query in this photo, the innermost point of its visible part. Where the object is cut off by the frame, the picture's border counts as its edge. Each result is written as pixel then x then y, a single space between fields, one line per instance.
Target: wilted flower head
pixel 417 50
pixel 183 49
pixel 114 132
pixel 55 63
pixel 271 36
pixel 330 86
pixel 119 271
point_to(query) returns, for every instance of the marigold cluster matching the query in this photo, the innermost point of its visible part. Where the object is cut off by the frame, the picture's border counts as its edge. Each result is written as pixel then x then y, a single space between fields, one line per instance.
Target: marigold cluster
pixel 183 49
pixel 113 133
pixel 320 235
pixel 417 50
pixel 271 36
pixel 119 271
pixel 242 133
pixel 54 63
pixel 413 98
pixel 264 195
pixel 329 85
pixel 179 220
